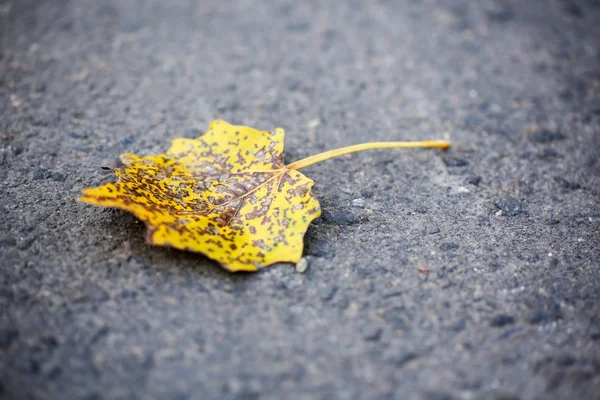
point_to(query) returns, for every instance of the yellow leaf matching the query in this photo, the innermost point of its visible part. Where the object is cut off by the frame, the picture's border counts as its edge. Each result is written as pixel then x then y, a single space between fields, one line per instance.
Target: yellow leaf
pixel 227 194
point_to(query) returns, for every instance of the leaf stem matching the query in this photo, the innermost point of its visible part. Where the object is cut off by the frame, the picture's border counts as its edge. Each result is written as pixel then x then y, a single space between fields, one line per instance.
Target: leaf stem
pixel 308 161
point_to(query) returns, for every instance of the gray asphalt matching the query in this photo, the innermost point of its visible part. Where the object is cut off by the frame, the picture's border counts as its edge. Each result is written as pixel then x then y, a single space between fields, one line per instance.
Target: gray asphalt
pixel 470 274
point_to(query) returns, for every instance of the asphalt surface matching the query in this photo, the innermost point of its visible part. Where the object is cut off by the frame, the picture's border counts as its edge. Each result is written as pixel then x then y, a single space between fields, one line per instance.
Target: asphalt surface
pixel 470 274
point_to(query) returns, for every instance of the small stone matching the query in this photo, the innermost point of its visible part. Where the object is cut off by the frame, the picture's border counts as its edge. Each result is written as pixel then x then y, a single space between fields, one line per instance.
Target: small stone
pixel 372 333
pixel 330 293
pixel 402 359
pixel 502 320
pixel 565 184
pixel 462 189
pixel 449 246
pixel 78 135
pixel 57 176
pixel 40 174
pixel 495 266
pixel 367 194
pixel 340 217
pixel 509 205
pixel 358 203
pixel 455 162
pixel 313 124
pixel 82 149
pixel 565 360
pixel 474 180
pixel 302 265
pixel 126 141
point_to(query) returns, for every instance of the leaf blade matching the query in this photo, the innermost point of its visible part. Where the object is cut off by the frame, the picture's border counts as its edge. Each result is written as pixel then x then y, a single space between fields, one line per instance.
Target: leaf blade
pixel 232 200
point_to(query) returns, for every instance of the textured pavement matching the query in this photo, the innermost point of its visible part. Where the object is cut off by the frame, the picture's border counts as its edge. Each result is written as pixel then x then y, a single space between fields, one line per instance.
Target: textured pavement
pixel 469 274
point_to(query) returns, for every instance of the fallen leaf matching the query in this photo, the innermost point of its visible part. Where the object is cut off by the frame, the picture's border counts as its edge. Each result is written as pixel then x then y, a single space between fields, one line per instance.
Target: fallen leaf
pixel 227 194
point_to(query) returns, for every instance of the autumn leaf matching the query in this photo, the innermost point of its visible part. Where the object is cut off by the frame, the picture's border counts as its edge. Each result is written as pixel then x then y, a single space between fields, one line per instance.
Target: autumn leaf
pixel 227 194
